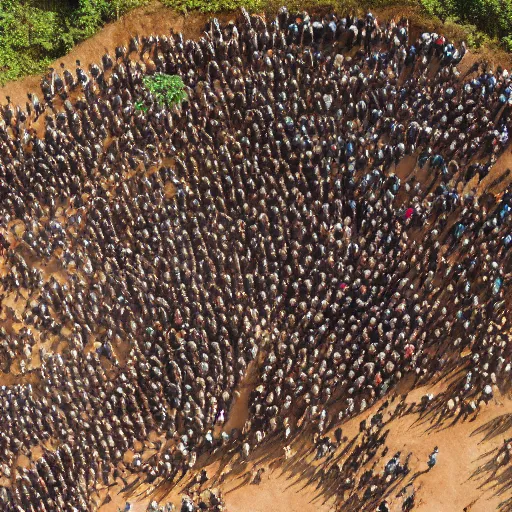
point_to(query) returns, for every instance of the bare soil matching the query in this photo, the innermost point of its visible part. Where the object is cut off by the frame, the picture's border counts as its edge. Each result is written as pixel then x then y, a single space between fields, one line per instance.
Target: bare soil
pixel 463 477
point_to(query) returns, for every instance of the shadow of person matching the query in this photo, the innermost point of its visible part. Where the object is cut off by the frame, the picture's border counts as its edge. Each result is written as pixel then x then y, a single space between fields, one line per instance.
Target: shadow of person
pixel 418 474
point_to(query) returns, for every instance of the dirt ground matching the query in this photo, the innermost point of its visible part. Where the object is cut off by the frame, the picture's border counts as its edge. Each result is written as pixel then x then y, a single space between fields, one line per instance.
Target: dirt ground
pixel 464 476
pixel 451 485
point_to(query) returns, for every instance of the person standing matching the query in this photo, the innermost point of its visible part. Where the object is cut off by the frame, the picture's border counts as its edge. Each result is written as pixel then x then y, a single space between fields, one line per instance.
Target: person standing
pixel 432 460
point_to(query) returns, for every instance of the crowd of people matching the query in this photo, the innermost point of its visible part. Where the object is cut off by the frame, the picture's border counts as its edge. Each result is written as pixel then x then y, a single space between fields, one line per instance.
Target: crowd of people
pixel 261 222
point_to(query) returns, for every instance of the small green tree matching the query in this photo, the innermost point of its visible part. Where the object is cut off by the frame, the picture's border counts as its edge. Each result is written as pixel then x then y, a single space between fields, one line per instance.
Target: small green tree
pixel 165 90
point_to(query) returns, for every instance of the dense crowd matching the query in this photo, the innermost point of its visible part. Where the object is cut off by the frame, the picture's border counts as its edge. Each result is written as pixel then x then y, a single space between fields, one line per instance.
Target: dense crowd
pixel 261 222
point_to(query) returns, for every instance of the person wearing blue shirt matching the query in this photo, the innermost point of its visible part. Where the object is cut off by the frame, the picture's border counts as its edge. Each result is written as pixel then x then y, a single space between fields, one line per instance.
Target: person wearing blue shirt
pixel 432 459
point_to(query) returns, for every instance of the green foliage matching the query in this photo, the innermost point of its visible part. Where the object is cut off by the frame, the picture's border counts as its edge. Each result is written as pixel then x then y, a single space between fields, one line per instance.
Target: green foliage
pixel 213 6
pixel 27 39
pixel 166 90
pixel 475 38
pixel 91 15
pixel 507 43
pixel 120 7
pixel 440 8
pixel 88 17
pixel 32 37
pixel 492 16
pixel 479 17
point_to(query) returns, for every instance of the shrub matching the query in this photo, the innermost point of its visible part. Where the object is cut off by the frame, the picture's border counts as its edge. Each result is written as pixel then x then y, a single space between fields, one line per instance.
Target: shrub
pixel 507 43
pixel 120 7
pixel 493 17
pixel 214 6
pixel 166 90
pixel 28 41
pixel 440 8
pixel 89 17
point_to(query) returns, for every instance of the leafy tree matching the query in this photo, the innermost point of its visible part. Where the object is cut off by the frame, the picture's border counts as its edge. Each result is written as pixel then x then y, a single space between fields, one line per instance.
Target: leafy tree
pixel 28 41
pixel 90 16
pixel 164 89
pixel 494 17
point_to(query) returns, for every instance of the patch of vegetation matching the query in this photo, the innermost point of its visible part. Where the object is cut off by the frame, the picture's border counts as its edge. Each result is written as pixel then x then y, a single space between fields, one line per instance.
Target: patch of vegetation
pixel 32 36
pixel 268 6
pixel 26 39
pixel 483 20
pixel 507 43
pixel 213 6
pixel 168 90
pixel 494 17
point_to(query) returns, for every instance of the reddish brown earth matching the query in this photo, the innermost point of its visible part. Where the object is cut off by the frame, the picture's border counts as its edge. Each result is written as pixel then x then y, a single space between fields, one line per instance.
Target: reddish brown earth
pixel 464 475
pixel 458 480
